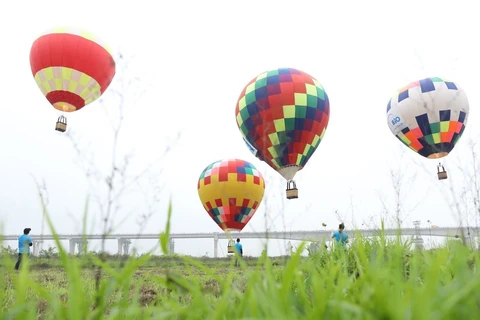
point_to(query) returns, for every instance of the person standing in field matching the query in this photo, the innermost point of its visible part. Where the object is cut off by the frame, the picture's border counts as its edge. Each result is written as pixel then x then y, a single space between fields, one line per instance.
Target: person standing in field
pixel 239 249
pixel 340 235
pixel 24 244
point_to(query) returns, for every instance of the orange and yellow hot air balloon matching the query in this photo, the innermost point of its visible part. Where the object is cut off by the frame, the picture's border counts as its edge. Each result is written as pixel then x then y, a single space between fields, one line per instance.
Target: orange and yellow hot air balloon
pixel 72 68
pixel 231 191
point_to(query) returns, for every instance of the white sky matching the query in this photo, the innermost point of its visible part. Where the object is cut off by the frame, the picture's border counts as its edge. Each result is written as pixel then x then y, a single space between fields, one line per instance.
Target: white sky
pixel 195 57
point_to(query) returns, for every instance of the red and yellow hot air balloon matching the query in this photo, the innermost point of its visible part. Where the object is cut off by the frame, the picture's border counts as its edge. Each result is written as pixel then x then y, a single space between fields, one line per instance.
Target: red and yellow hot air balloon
pixel 283 115
pixel 231 191
pixel 72 68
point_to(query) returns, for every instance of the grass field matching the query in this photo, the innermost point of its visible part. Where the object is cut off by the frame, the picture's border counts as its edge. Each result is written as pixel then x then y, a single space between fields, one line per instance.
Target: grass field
pixel 374 279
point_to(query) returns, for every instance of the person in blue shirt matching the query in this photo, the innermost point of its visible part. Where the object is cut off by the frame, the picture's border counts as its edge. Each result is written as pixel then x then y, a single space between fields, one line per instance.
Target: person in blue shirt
pixel 239 249
pixel 340 235
pixel 24 244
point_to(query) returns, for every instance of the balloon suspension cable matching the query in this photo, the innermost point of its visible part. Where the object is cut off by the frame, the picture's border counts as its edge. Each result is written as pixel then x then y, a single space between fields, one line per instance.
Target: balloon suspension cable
pixel 291 184
pixel 62 119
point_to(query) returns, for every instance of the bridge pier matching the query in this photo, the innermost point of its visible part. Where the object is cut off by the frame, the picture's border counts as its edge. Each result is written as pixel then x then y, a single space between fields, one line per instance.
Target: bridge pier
pixel 314 247
pixel 289 248
pixel 75 242
pixel 126 246
pixel 171 246
pixel 468 241
pixel 123 246
pixel 120 244
pixel 215 245
pixel 71 246
pixel 37 247
pixel 82 245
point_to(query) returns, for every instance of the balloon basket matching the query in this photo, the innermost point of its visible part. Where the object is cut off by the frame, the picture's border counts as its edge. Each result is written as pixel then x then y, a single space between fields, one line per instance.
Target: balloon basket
pixel 61 124
pixel 231 244
pixel 292 191
pixel 442 174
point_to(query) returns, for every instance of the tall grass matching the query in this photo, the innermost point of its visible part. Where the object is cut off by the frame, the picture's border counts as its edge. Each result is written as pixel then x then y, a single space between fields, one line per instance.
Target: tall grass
pixel 374 278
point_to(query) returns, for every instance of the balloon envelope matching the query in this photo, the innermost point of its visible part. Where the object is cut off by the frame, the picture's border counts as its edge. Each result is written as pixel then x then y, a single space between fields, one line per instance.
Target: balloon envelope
pixel 283 114
pixel 251 148
pixel 231 191
pixel 429 116
pixel 71 67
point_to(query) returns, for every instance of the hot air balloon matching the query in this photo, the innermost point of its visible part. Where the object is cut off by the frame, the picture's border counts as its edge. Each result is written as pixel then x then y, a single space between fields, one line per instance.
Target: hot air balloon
pixel 72 68
pixel 283 115
pixel 429 117
pixel 231 191
pixel 251 148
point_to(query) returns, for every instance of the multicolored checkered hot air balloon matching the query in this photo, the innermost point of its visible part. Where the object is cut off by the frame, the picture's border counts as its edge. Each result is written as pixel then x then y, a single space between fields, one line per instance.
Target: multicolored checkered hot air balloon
pixel 429 117
pixel 231 191
pixel 72 68
pixel 283 115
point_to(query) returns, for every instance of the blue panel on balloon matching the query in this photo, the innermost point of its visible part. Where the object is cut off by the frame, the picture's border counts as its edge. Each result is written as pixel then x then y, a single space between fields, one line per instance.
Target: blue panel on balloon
pixel 402 96
pixel 427 85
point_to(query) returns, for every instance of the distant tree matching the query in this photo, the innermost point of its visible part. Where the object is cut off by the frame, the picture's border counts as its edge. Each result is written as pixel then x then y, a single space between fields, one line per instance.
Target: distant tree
pixel 49 253
pixel 8 251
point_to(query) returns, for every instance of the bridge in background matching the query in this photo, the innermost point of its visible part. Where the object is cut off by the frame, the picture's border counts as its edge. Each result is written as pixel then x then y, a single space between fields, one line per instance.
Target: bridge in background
pixel 124 240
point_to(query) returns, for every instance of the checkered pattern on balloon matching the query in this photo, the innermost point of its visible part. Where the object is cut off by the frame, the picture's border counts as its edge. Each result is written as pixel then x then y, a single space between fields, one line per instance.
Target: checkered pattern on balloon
pixel 231 191
pixel 429 116
pixel 283 115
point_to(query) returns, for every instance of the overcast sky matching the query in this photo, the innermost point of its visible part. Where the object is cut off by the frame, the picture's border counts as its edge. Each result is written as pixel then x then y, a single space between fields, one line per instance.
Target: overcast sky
pixel 194 58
